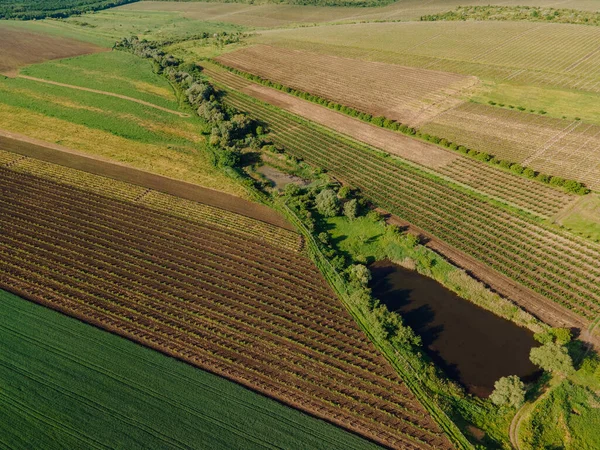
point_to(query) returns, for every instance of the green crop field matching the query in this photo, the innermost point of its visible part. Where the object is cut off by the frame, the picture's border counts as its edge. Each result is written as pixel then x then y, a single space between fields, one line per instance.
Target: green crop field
pixel 66 384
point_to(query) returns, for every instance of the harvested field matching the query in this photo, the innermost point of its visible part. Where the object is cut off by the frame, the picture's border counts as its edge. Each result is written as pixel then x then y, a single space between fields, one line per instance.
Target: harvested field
pixel 255 312
pixel 526 194
pixel 555 55
pixel 543 260
pixel 570 149
pixel 405 94
pixel 20 48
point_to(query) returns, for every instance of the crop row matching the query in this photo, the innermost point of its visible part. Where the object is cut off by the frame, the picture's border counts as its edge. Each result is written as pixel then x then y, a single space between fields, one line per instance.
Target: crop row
pixel 157 200
pixel 506 186
pixel 219 300
pixel 559 267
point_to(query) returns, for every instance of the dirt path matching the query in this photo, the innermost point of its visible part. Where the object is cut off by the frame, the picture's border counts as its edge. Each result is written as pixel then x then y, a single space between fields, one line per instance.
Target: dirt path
pixel 542 308
pixel 110 94
pixel 57 154
pixel 524 412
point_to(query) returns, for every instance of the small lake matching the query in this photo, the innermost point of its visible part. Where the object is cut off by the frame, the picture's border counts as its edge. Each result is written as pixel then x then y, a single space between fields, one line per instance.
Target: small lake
pixel 470 344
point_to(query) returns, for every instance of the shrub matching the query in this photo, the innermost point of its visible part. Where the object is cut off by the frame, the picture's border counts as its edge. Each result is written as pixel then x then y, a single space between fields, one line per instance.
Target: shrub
pixel 379 121
pixel 425 136
pixel 473 153
pixel 529 173
pixel 572 186
pixel 453 146
pixel 552 357
pixel 463 149
pixel 351 209
pixel 344 192
pixel 327 203
pixel 557 181
pixel 508 391
pixel 517 168
pixel 542 177
pixel 505 164
pixel 483 156
pixel 360 274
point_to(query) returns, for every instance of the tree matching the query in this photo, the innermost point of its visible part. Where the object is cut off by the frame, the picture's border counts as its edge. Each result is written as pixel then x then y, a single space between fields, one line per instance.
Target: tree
pixel 351 209
pixel 508 391
pixel 328 203
pixel 552 357
pixel 360 273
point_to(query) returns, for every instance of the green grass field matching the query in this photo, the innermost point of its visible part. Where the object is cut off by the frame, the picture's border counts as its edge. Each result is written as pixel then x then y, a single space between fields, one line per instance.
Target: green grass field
pixel 568 416
pixel 65 384
pixel 116 72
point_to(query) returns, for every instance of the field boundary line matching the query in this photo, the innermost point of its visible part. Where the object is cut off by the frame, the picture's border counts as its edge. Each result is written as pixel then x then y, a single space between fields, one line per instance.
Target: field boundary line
pixel 109 94
pixel 73 159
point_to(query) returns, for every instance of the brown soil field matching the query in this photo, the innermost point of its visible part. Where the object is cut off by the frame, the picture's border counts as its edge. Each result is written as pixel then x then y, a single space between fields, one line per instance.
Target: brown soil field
pixel 22 145
pixel 257 313
pixel 20 48
pixel 408 95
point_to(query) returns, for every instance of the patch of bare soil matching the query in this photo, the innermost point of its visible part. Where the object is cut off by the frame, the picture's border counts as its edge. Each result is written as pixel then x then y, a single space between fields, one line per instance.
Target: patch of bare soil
pixel 19 48
pixel 57 154
pixel 416 151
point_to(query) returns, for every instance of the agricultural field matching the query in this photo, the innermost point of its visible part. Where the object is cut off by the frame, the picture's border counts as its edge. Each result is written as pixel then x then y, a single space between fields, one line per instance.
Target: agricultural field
pixel 549 262
pixel 242 307
pixel 408 95
pixel 522 193
pixel 60 375
pixel 267 15
pixel 127 114
pixel 570 149
pixel 20 47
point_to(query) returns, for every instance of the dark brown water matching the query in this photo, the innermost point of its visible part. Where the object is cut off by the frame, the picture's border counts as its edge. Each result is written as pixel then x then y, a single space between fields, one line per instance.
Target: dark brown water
pixel 471 345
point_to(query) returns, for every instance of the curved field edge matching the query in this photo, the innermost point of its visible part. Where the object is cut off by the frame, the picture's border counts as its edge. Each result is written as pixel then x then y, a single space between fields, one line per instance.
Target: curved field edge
pixel 62 156
pixel 86 386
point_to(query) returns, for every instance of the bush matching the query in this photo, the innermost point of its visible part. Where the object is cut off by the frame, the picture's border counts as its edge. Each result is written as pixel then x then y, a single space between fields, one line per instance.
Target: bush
pixel 552 357
pixel 557 181
pixel 379 120
pixel 517 168
pixel 462 149
pixel 360 274
pixel 542 177
pixel 508 391
pixel 327 203
pixel 505 164
pixel 351 209
pixel 344 192
pixel 529 173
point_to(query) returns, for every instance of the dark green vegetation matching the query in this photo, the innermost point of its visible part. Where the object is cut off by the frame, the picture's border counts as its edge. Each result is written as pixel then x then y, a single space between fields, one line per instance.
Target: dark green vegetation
pixel 516 13
pixel 66 384
pixel 41 9
pixel 350 3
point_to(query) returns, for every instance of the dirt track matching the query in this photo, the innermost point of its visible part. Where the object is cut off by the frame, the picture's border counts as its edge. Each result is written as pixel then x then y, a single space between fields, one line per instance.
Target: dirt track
pixel 23 145
pixel 110 94
pixel 542 308
pixel 390 141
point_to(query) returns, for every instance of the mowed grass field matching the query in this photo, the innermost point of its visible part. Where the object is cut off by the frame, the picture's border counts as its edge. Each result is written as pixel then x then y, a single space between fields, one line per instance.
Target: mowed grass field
pixel 20 47
pixel 66 384
pixel 119 129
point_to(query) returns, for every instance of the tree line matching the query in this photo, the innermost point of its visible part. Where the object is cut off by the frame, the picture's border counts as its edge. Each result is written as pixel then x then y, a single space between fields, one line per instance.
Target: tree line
pixel 57 9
